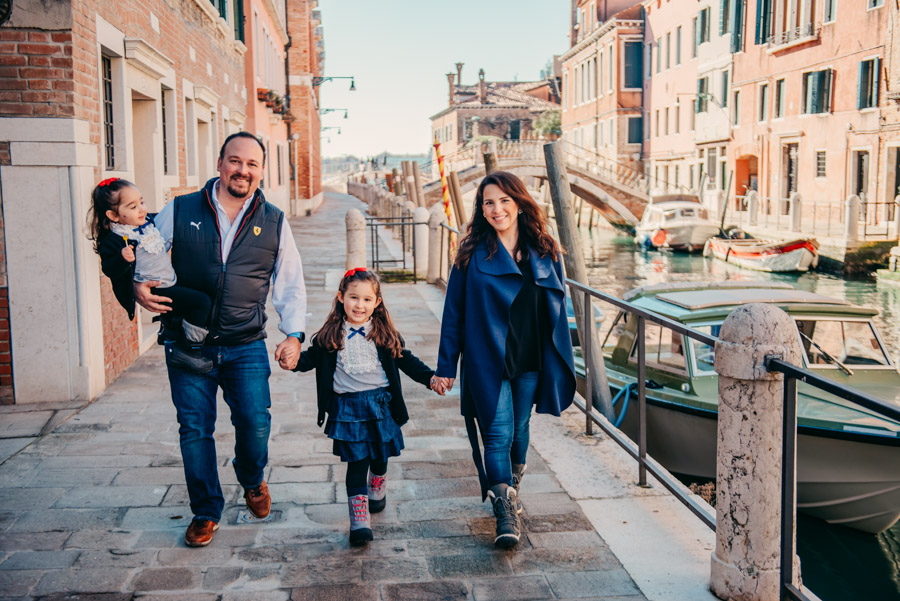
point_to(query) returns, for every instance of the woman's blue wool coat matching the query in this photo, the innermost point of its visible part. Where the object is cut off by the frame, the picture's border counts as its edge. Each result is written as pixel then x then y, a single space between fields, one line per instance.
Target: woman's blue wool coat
pixel 475 324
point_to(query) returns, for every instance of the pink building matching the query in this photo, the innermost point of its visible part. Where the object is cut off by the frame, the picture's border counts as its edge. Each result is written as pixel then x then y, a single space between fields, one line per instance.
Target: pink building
pixel 670 80
pixel 809 97
pixel 602 85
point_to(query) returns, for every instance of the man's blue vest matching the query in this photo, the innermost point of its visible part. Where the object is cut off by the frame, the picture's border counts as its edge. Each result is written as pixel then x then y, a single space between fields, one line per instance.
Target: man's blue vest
pixel 239 287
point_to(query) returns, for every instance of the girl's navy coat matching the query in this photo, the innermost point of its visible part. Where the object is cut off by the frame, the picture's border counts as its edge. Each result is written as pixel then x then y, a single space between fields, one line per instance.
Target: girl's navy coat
pixel 476 321
pixel 325 364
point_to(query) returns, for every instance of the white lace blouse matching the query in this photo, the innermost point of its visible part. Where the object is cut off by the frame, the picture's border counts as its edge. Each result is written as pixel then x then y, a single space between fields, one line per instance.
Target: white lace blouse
pixel 358 367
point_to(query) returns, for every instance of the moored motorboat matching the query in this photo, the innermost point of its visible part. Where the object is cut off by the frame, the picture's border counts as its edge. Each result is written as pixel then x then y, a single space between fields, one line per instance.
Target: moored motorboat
pixel 848 458
pixel 678 222
pixel 801 254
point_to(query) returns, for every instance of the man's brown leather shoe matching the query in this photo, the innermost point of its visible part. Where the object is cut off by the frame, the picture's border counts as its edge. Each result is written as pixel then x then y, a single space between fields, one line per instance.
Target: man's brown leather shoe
pixel 258 500
pixel 200 533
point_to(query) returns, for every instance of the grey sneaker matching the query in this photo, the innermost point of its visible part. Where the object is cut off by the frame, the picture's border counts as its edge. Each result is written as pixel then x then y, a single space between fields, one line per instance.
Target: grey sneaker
pixel 518 472
pixel 360 524
pixel 377 492
pixel 503 498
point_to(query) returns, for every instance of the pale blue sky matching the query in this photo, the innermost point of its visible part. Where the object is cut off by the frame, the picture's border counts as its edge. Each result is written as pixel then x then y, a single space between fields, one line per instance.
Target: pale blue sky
pixel 399 52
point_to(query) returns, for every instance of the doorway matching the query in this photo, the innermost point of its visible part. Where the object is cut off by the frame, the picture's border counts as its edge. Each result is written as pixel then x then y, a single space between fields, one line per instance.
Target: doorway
pixel 860 181
pixel 790 169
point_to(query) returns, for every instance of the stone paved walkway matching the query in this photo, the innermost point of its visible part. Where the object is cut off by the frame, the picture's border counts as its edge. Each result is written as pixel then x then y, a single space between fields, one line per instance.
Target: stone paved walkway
pixel 95 509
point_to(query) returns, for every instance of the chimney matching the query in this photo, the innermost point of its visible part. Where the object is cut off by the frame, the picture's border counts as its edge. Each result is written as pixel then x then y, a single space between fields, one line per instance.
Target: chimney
pixel 459 67
pixel 452 88
pixel 482 87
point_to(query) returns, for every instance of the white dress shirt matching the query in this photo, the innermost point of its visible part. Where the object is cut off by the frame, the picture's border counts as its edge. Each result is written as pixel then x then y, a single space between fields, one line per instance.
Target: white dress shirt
pixel 288 286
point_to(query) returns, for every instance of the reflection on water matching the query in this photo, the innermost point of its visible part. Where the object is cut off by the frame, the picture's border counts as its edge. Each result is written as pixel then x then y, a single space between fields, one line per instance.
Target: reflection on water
pixel 837 563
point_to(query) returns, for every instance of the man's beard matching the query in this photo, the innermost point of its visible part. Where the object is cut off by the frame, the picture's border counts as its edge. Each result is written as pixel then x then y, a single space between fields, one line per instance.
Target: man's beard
pixel 234 191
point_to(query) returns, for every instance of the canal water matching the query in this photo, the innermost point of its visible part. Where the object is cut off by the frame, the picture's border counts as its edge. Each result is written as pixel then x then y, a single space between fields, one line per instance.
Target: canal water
pixel 838 564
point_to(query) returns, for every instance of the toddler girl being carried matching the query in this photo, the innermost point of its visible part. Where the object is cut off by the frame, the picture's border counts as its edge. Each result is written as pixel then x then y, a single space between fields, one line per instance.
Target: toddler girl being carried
pixel 131 250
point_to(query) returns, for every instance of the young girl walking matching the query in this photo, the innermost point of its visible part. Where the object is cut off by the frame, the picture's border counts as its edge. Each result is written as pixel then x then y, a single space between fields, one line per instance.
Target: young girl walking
pixel 357 355
pixel 131 250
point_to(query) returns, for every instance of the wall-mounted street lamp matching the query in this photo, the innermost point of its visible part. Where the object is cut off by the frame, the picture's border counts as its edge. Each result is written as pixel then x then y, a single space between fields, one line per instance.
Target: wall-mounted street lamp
pixel 326 111
pixel 703 95
pixel 331 127
pixel 317 81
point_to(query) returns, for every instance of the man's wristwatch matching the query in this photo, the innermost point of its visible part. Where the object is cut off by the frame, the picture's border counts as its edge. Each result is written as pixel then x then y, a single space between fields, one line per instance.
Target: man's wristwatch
pixel 301 336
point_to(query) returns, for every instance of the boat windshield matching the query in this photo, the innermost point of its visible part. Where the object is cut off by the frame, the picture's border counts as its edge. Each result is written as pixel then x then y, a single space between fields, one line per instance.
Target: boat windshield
pixel 664 348
pixel 850 342
pixel 704 354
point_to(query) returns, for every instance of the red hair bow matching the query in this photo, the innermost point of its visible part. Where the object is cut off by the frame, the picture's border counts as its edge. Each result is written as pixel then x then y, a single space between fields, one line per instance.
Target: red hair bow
pixel 107 181
pixel 353 271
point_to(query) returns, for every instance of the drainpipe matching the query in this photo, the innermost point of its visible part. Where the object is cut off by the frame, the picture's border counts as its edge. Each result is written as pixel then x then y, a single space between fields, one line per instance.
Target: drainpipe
pixel 287 92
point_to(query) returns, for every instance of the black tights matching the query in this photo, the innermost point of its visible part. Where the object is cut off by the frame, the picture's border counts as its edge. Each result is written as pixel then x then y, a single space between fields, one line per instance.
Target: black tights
pixel 358 475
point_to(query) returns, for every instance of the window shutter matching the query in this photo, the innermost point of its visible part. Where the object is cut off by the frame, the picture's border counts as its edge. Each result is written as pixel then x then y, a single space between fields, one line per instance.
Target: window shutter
pixel 723 17
pixel 827 82
pixel 876 80
pixel 763 11
pixel 813 93
pixel 737 25
pixel 861 84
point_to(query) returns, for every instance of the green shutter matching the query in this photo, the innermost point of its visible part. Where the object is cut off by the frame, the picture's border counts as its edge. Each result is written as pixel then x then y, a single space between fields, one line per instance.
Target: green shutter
pixel 723 16
pixel 763 15
pixel 876 79
pixel 737 25
pixel 827 75
pixel 861 85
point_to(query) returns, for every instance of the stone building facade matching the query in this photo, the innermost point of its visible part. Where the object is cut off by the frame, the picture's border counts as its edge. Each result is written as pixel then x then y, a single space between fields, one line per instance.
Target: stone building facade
pixel 602 82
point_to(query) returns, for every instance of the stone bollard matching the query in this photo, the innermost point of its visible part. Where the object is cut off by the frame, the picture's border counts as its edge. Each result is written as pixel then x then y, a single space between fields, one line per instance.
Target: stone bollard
pixel 407 210
pixel 747 559
pixel 753 206
pixel 796 212
pixel 422 243
pixel 356 239
pixel 435 233
pixel 851 219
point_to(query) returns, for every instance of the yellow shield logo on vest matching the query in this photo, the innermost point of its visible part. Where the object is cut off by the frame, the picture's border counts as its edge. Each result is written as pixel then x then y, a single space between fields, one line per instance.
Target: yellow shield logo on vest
pixel 256 230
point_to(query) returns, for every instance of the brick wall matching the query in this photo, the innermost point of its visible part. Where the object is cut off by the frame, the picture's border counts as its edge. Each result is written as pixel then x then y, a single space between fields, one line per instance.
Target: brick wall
pixel 6 379
pixel 36 73
pixel 303 62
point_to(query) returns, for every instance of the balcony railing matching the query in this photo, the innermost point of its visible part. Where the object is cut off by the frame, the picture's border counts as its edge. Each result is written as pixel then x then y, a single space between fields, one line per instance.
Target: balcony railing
pixel 803 33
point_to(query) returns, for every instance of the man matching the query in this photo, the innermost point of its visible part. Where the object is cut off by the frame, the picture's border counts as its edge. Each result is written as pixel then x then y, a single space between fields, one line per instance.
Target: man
pixel 228 242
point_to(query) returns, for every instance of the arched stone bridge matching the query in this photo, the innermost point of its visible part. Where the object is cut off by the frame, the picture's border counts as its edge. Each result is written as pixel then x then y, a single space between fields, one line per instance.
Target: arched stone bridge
pixel 616 191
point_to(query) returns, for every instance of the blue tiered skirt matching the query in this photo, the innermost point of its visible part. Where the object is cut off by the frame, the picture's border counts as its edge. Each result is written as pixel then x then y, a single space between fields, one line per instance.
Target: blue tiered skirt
pixel 361 426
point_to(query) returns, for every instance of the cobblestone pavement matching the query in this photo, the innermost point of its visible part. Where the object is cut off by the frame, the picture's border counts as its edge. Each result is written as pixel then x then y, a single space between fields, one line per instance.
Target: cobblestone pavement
pixel 96 508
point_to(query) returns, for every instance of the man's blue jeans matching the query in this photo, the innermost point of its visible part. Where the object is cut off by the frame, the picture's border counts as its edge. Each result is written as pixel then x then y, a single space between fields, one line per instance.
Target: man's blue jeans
pixel 243 373
pixel 506 437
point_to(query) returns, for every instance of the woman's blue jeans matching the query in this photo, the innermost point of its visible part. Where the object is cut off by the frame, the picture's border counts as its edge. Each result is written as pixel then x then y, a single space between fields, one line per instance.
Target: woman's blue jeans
pixel 506 438
pixel 242 371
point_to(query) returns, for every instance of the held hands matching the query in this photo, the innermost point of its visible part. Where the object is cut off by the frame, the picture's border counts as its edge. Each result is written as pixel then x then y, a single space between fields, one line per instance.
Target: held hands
pixel 441 385
pixel 288 353
pixel 128 253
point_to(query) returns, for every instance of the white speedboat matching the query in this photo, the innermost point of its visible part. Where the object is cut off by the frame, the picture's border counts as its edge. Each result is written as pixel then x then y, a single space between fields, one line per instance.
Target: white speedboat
pixel 677 221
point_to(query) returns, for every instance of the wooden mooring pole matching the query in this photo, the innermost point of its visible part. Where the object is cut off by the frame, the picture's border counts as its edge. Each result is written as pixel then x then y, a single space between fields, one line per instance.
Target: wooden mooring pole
pixel 561 195
pixel 490 163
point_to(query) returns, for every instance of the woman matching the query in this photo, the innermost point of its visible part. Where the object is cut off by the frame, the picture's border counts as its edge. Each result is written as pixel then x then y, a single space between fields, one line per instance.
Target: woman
pixel 505 312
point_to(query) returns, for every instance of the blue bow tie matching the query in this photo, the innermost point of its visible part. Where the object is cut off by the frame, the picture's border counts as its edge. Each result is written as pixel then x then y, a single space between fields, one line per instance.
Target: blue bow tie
pixel 355 331
pixel 140 229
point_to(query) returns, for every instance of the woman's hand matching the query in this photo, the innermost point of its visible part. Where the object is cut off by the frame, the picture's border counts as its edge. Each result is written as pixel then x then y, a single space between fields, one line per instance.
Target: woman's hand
pixel 441 385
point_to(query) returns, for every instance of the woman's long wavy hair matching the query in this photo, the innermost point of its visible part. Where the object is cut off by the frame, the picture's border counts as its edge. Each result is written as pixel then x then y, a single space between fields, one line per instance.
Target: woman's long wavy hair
pixel 383 334
pixel 534 229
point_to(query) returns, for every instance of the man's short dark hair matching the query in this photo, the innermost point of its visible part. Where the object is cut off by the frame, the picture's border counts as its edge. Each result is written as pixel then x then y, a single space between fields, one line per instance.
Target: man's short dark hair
pixel 242 134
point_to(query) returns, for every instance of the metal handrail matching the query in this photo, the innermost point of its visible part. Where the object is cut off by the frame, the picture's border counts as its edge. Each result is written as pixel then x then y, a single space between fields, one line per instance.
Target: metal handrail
pixel 792 374
pixel 407 241
pixel 645 463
